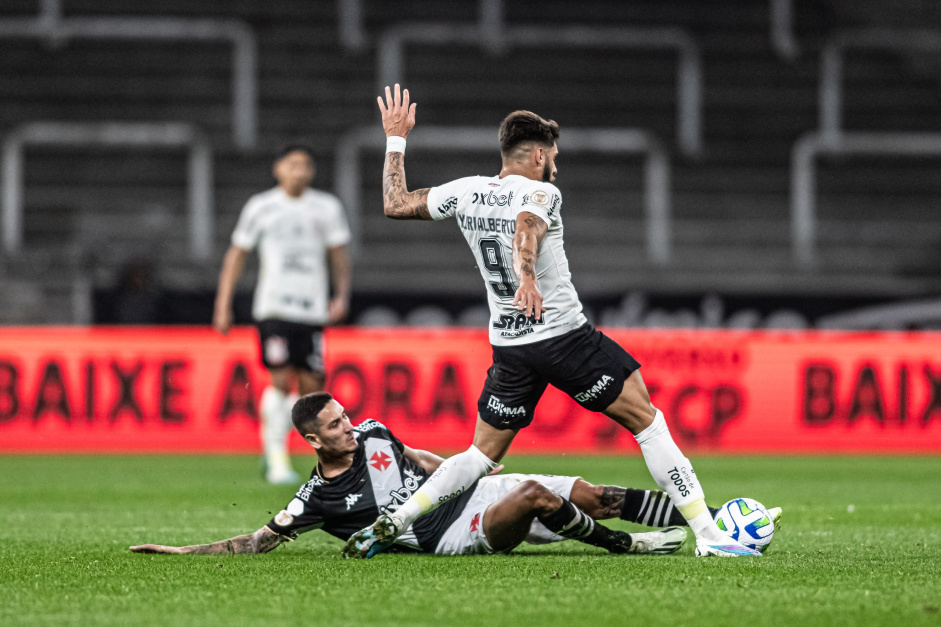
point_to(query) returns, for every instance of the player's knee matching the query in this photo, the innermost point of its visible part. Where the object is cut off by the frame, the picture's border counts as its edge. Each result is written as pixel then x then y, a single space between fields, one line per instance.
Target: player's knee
pixel 538 497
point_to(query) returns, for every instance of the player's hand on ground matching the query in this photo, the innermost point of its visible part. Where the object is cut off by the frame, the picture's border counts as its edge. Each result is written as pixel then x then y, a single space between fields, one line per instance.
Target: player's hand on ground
pixel 337 310
pixel 398 114
pixel 496 471
pixel 529 300
pixel 159 549
pixel 222 320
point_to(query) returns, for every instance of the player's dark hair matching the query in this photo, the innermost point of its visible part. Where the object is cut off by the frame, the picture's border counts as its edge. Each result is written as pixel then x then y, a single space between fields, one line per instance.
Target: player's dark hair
pixel 289 148
pixel 521 127
pixel 306 409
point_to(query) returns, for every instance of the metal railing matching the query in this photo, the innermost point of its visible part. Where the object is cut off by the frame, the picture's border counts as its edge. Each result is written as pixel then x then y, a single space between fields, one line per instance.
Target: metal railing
pixel 614 141
pixel 142 135
pixel 804 180
pixel 830 96
pixel 393 42
pixel 51 26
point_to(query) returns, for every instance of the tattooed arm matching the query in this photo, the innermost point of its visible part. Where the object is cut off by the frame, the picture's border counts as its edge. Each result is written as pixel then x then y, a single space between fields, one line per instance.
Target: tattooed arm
pixel 397 202
pixel 262 541
pixel 398 119
pixel 530 230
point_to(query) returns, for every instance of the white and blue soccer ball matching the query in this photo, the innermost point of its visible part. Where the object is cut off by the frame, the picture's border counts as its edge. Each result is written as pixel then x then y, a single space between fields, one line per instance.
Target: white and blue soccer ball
pixel 747 521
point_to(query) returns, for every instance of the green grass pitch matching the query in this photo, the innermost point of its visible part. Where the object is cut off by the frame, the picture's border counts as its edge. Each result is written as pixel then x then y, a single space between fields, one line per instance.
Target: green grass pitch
pixel 860 545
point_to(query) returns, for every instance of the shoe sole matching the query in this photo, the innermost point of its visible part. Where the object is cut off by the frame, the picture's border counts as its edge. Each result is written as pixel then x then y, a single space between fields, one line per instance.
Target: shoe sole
pixel 382 535
pixel 725 550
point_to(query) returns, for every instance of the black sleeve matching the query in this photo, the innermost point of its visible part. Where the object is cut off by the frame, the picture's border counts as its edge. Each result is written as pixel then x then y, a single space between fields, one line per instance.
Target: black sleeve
pixel 299 516
pixel 375 429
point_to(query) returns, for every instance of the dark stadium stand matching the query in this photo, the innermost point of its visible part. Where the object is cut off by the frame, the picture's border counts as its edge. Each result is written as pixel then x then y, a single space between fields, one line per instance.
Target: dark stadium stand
pixel 90 211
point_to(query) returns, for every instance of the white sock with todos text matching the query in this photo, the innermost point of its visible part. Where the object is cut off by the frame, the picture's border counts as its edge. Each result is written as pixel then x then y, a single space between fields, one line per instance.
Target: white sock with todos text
pixel 275 428
pixel 674 473
pixel 452 478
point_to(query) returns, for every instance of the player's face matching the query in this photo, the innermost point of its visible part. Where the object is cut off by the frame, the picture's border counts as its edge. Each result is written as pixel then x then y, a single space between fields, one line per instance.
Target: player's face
pixel 335 435
pixel 548 170
pixel 294 171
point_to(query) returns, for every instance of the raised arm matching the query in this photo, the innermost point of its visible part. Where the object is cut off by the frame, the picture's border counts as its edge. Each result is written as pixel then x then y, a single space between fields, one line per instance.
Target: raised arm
pixel 262 541
pixel 530 230
pixel 398 119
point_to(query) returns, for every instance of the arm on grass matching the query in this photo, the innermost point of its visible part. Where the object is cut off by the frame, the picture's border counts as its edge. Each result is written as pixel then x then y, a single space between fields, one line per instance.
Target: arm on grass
pixel 262 541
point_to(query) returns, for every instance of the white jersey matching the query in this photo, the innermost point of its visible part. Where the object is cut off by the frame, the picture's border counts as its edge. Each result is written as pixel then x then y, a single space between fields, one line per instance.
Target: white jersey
pixel 486 210
pixel 292 236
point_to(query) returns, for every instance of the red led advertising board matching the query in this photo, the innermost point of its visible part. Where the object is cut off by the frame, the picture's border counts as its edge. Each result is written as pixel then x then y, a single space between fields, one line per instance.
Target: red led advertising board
pixel 190 390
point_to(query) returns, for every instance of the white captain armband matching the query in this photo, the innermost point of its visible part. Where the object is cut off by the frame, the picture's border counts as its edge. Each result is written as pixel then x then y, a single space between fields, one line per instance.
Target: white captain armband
pixel 395 144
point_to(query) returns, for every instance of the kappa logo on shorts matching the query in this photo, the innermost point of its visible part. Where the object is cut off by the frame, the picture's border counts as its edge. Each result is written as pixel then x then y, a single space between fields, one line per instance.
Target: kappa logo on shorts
pixel 499 408
pixel 595 391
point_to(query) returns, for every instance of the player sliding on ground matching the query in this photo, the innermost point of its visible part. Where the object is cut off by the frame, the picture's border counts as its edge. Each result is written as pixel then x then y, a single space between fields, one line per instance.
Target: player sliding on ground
pixel 364 470
pixel 540 336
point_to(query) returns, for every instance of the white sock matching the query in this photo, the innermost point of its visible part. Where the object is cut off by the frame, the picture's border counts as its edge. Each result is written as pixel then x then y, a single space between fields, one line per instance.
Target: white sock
pixel 275 428
pixel 452 478
pixel 675 475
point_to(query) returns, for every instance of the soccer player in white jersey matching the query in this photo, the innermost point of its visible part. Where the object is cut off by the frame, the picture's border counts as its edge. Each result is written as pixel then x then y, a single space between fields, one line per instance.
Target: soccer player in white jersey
pixel 299 233
pixel 539 335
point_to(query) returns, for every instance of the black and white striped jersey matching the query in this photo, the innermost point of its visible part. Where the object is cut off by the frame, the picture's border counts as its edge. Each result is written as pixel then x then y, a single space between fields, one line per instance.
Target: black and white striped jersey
pixel 379 481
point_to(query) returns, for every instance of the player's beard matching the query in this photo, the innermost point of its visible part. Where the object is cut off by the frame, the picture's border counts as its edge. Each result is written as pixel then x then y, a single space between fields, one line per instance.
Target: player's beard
pixel 547 172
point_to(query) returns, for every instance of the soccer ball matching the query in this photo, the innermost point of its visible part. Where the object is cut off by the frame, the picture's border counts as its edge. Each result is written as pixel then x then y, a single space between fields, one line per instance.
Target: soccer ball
pixel 747 521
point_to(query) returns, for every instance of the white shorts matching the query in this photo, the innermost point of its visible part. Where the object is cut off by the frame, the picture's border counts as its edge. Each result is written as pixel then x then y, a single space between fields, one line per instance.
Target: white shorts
pixel 466 536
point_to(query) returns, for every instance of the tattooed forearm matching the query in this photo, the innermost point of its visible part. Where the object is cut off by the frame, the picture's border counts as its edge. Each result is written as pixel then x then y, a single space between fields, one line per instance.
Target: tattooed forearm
pixel 612 500
pixel 529 230
pixel 398 203
pixel 262 541
pixel 533 222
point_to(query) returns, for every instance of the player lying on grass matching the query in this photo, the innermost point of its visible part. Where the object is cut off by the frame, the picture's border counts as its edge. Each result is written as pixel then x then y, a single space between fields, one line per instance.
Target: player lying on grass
pixel 364 470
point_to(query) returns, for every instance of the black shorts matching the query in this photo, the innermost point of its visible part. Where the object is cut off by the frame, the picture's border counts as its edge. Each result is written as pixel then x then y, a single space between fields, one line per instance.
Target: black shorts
pixel 293 344
pixel 584 363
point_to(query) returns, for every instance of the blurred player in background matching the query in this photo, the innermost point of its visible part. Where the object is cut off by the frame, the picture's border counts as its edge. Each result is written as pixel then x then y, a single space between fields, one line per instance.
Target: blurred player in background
pixel 302 236
pixel 539 334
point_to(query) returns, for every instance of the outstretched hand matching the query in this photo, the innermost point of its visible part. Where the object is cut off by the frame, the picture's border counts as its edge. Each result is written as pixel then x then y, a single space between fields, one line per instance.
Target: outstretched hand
pixel 398 116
